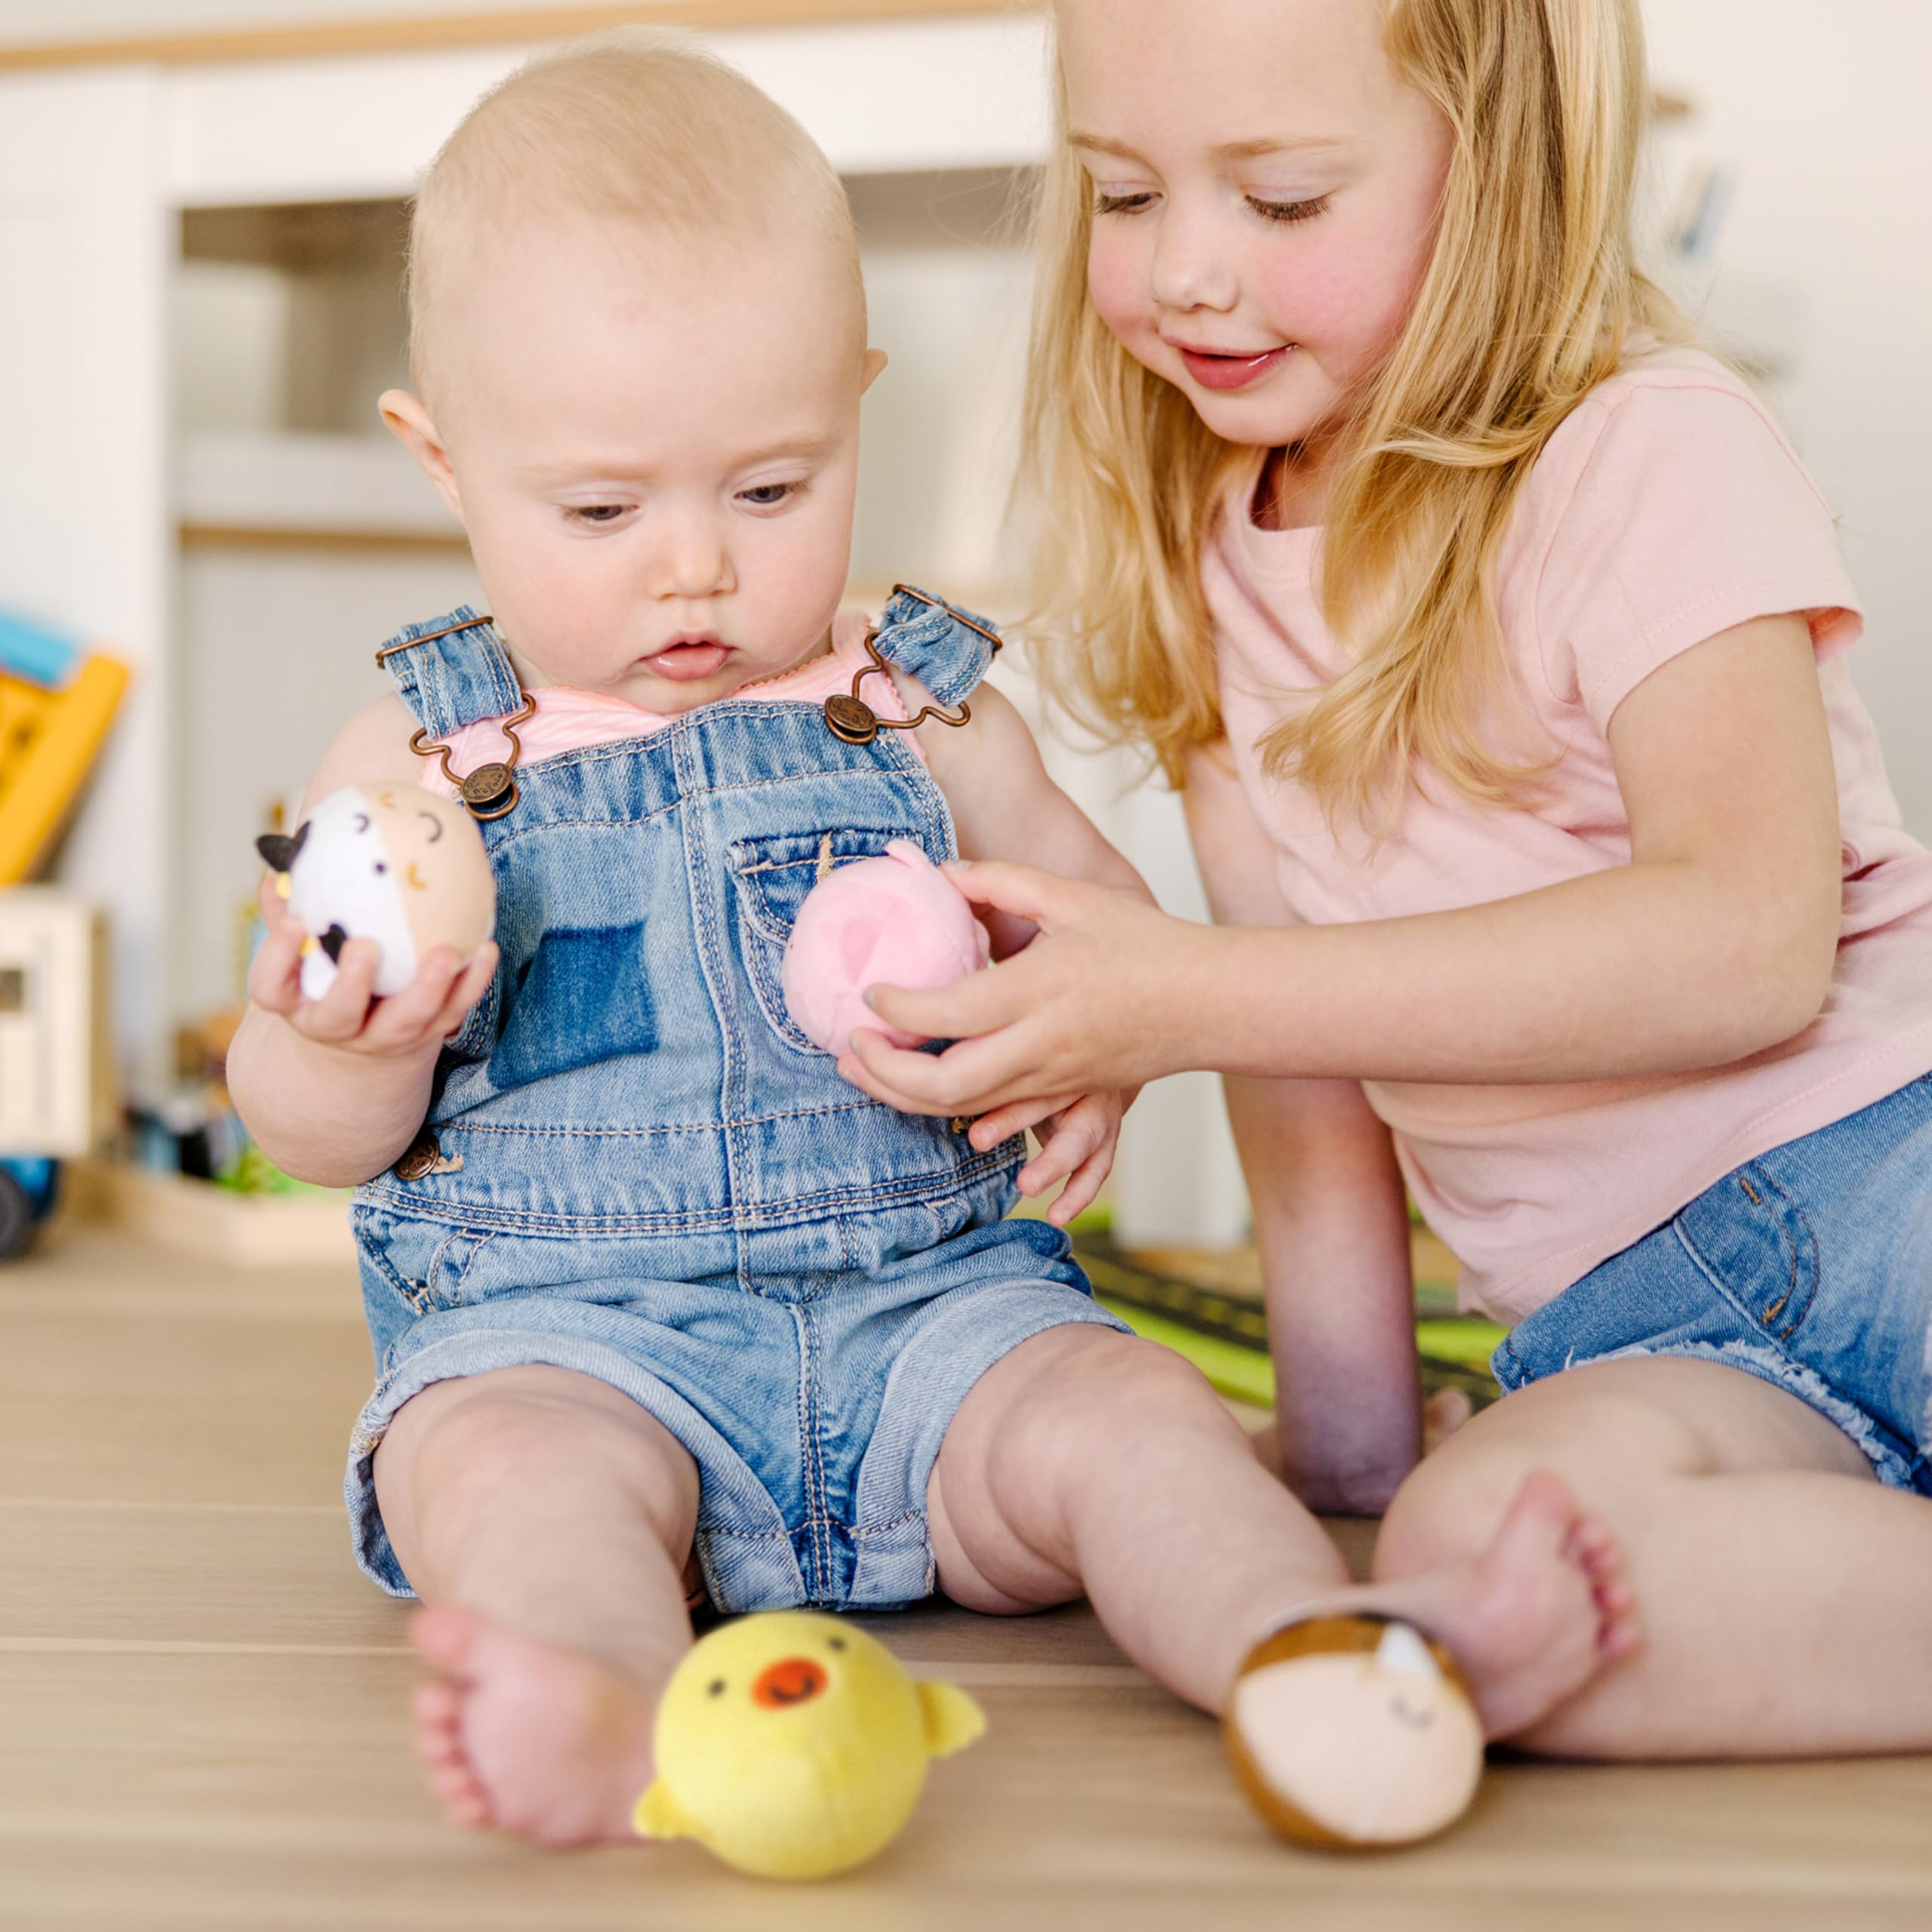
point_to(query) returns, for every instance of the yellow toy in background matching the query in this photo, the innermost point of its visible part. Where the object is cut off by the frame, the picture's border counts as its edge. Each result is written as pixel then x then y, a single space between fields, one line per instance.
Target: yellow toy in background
pixel 793 1746
pixel 56 704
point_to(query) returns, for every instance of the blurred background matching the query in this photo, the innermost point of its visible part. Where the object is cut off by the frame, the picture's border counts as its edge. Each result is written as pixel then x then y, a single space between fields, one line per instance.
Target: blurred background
pixel 202 204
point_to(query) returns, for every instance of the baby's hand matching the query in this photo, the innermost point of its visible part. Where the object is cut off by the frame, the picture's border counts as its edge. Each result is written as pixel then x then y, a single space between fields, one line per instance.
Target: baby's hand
pixel 1076 1146
pixel 427 1012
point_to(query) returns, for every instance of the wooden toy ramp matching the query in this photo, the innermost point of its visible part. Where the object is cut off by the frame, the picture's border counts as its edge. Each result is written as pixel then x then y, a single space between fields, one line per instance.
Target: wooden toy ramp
pixel 48 742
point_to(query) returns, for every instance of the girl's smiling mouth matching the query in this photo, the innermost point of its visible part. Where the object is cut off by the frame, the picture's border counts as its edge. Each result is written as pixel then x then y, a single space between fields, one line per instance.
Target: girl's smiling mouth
pixel 1215 370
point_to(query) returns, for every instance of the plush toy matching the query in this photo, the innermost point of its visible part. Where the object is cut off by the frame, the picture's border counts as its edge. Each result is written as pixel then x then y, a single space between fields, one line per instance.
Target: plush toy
pixel 394 863
pixel 896 921
pixel 1353 1731
pixel 794 1745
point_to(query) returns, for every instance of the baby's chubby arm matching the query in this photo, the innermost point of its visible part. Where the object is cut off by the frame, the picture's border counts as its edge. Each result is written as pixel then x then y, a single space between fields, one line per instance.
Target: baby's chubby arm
pixel 1004 806
pixel 334 1090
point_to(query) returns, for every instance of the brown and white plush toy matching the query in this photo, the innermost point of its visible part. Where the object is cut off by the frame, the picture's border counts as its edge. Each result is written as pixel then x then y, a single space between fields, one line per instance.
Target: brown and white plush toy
pixel 392 863
pixel 1354 1732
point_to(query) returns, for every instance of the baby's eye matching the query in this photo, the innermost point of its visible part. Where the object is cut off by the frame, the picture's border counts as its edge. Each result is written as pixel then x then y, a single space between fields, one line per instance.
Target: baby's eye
pixel 715 1688
pixel 597 512
pixel 1107 203
pixel 769 496
pixel 1289 211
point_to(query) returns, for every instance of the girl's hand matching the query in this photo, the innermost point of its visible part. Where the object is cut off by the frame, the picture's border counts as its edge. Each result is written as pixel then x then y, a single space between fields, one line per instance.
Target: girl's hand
pixel 349 1015
pixel 1097 1003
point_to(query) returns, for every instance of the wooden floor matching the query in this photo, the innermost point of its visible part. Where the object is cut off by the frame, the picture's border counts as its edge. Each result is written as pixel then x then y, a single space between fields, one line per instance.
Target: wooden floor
pixel 202 1710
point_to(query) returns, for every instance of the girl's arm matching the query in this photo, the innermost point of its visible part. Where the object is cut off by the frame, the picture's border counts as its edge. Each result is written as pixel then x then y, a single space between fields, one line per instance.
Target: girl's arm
pixel 1716 941
pixel 334 1090
pixel 1329 1220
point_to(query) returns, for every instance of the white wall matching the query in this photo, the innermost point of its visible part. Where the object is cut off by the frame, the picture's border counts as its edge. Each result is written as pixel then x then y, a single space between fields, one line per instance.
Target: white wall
pixel 1821 111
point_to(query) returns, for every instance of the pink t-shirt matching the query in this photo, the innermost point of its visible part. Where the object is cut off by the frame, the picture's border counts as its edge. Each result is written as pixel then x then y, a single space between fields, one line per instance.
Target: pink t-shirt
pixel 1667 509
pixel 568 720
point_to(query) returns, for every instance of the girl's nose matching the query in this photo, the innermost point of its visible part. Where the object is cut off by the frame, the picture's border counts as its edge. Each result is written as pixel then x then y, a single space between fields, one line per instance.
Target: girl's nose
pixel 1191 267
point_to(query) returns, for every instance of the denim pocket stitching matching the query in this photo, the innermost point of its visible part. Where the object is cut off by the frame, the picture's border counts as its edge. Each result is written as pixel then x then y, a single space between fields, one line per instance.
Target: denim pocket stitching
pixel 415 1294
pixel 1783 1304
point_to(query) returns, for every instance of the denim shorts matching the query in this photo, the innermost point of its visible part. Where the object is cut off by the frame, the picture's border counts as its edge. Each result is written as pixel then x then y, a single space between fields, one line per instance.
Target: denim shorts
pixel 811 1371
pixel 1810 1267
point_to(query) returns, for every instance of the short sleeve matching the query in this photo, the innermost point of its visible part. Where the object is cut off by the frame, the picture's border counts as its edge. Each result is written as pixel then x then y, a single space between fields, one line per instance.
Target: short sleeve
pixel 1689 514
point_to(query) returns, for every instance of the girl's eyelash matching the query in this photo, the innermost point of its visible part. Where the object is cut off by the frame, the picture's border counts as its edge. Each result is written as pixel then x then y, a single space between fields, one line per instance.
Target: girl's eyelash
pixel 596 513
pixel 1288 210
pixel 1107 203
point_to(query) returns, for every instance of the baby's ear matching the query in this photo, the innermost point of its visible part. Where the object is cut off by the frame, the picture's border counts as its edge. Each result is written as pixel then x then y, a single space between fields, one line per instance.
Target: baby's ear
pixel 411 425
pixel 875 362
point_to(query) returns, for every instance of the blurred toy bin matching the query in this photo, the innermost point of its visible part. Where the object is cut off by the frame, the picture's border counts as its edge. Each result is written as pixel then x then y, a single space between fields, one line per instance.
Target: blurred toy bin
pixel 56 1084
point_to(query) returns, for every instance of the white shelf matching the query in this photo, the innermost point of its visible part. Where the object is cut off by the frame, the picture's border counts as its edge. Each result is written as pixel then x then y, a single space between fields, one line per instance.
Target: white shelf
pixel 293 483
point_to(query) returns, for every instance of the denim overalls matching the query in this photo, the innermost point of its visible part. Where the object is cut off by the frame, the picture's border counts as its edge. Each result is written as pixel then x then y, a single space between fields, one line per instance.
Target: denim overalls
pixel 634 1166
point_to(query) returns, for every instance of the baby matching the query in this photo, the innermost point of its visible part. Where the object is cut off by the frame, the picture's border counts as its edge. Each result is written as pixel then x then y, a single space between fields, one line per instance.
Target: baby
pixel 662 1306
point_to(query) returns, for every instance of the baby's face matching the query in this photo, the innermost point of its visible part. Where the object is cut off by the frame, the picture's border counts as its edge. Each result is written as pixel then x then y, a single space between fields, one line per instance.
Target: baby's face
pixel 653 445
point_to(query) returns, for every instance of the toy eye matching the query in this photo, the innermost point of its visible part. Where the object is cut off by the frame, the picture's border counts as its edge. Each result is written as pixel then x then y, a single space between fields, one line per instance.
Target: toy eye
pixel 834 1643
pixel 716 1687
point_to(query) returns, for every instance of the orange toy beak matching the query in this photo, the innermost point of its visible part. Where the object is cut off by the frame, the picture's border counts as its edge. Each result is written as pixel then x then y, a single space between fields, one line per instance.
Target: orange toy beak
pixel 790 1681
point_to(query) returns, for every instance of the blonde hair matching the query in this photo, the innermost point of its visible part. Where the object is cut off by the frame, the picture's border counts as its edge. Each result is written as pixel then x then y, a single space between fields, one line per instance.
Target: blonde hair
pixel 638 124
pixel 1525 306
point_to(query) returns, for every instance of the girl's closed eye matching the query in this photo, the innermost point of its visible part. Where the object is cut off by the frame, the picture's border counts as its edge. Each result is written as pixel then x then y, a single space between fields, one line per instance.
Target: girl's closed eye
pixel 595 514
pixel 1130 204
pixel 1304 211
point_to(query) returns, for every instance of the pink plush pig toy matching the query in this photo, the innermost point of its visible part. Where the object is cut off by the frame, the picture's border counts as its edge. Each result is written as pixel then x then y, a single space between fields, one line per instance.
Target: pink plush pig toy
pixel 896 920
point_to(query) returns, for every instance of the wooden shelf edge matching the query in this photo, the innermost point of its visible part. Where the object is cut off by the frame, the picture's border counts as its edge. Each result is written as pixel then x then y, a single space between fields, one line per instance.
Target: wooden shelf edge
pixel 423 33
pixel 196 1217
pixel 253 536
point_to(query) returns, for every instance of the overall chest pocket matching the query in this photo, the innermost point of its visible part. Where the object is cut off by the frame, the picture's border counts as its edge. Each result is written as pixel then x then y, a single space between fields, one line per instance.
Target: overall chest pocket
pixel 772 877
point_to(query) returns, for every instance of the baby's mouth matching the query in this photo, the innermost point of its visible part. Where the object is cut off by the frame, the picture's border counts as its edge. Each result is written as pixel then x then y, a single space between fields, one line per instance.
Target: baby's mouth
pixel 690 660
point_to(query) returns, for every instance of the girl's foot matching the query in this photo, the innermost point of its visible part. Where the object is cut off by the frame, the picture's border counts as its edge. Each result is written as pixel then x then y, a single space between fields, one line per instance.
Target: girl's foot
pixel 548 1744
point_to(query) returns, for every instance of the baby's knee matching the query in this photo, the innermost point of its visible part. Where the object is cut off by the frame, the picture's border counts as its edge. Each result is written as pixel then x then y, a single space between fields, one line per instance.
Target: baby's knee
pixel 1113 1396
pixel 474 1437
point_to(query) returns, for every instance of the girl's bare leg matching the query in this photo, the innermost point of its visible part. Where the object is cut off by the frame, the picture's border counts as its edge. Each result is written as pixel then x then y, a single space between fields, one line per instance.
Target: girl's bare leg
pixel 544 1520
pixel 1784 1589
pixel 1087 1461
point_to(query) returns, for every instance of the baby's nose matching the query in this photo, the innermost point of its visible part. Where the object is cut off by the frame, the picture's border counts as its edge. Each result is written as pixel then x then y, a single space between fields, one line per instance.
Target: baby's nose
pixel 790 1681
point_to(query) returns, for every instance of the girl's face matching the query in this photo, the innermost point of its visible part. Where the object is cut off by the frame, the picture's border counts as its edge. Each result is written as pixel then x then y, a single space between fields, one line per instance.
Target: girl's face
pixel 1264 191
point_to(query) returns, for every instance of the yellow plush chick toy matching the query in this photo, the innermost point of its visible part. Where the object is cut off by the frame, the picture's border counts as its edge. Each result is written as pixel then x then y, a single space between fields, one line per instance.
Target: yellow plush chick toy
pixel 793 1746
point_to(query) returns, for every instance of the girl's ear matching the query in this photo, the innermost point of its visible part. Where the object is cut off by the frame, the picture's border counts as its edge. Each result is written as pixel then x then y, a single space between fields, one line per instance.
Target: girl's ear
pixel 875 361
pixel 410 423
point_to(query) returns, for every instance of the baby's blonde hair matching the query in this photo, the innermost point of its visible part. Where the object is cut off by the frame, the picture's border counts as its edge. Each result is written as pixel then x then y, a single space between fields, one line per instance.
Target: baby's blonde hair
pixel 639 124
pixel 1533 289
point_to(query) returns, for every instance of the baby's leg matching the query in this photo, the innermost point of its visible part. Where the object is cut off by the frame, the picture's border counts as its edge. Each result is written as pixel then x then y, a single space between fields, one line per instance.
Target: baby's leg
pixel 1087 1460
pixel 1784 1590
pixel 543 1518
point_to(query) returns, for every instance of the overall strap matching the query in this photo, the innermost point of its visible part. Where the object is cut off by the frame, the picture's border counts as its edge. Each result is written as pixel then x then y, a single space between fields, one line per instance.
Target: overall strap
pixel 948 650
pixel 452 672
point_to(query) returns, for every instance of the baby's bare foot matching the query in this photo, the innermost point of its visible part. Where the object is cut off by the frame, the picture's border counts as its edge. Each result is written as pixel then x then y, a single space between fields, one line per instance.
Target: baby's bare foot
pixel 547 1743
pixel 1537 1615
